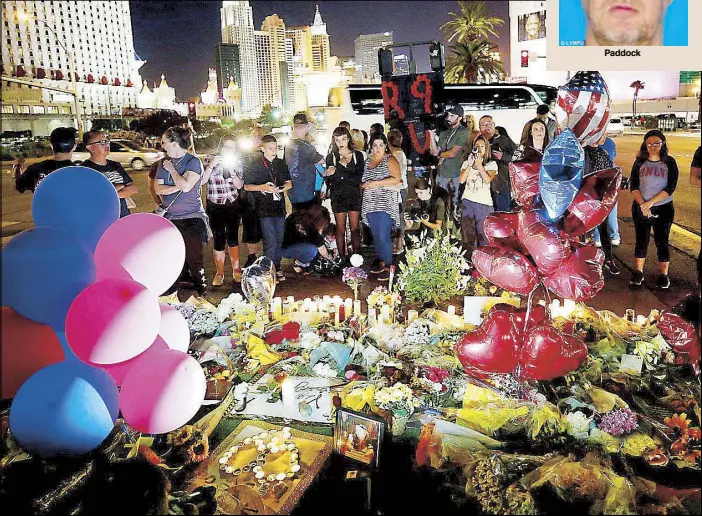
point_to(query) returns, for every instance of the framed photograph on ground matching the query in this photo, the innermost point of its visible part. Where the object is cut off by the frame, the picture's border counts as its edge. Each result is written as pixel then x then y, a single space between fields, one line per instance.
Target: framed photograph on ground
pixel 358 436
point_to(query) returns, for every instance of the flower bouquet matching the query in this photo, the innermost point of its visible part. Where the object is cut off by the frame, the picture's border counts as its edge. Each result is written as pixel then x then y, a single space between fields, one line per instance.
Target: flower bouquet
pixel 381 296
pixel 353 277
pixel 400 401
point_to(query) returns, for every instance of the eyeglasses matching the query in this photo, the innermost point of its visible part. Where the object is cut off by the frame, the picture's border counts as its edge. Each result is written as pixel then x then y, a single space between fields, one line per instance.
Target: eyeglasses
pixel 106 141
pixel 487 124
pixel 657 144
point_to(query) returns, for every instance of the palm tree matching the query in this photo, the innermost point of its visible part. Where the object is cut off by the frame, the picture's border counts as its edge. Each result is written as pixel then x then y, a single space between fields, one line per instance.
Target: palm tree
pixel 637 85
pixel 472 61
pixel 473 22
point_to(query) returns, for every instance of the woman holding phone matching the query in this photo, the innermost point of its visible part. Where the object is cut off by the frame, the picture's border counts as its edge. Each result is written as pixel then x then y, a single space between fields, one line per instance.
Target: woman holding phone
pixel 477 171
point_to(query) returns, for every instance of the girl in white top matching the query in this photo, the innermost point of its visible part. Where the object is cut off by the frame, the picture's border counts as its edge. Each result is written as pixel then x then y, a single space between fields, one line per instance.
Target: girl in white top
pixel 476 172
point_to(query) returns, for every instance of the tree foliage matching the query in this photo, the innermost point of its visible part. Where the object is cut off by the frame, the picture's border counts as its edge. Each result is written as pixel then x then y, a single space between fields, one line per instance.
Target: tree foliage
pixel 157 123
pixel 471 23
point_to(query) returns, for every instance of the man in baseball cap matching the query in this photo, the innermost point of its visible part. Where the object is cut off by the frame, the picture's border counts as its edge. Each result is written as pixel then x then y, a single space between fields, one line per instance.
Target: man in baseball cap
pixel 449 150
pixel 63 143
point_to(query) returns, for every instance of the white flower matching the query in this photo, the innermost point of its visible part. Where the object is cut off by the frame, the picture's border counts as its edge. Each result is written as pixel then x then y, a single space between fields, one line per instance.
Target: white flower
pixel 356 260
pixel 578 423
pixel 310 340
pixel 324 369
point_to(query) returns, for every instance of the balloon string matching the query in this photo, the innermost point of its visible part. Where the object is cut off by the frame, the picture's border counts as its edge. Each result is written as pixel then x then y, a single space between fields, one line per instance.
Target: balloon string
pixel 530 299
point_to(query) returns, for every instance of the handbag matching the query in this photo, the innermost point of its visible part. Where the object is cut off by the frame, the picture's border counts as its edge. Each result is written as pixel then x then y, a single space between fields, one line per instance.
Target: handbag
pixel 161 211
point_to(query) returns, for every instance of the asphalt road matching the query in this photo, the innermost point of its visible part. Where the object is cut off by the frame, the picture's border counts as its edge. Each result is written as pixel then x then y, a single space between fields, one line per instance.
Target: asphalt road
pixel 16 217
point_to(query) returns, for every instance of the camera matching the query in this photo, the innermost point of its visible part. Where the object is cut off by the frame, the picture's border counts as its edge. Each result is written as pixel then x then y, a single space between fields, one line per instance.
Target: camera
pixel 475 151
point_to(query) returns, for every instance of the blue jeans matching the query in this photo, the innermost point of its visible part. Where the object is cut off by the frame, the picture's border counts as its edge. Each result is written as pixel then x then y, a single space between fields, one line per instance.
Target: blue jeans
pixel 452 186
pixel 273 229
pixel 381 226
pixel 304 253
pixel 502 201
pixel 612 226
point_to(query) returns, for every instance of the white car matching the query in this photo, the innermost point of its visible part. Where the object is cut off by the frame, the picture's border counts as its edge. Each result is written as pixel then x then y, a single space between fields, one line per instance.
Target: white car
pixel 615 127
pixel 129 154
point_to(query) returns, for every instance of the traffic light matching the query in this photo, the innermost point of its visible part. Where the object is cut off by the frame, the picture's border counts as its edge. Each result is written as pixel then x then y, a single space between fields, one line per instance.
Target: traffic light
pixel 525 58
pixel 436 56
pixel 385 62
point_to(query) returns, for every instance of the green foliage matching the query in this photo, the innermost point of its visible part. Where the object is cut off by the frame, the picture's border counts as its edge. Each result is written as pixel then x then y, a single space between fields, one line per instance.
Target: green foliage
pixel 433 270
pixel 471 23
pixel 156 124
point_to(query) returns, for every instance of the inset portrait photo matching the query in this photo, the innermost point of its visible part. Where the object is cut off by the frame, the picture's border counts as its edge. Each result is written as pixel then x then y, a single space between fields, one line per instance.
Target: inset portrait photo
pixel 531 26
pixel 623 35
pixel 638 23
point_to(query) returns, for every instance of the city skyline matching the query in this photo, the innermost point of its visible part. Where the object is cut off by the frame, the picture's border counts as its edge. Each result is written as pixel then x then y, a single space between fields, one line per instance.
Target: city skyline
pixel 345 22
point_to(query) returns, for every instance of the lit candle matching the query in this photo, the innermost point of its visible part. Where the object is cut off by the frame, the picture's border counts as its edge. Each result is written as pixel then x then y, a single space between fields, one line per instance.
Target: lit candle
pixel 451 310
pixel 568 307
pixel 337 300
pixel 323 306
pixel 313 306
pixel 385 314
pixel 466 313
pixel 288 393
pixel 372 317
pixel 335 313
pixel 412 315
pixel 287 307
pixel 277 308
pixel 306 304
pixel 356 307
pixel 291 299
pixel 641 319
pixel 555 308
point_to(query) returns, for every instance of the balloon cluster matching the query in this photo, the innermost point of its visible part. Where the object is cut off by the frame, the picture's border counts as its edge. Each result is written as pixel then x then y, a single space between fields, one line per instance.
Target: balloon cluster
pixel 539 242
pixel 81 316
pixel 515 341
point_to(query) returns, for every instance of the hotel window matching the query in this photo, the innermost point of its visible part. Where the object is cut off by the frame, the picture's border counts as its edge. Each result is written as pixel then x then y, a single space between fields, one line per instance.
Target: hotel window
pixel 7 109
pixel 65 110
pixel 23 109
pixel 52 109
pixel 38 110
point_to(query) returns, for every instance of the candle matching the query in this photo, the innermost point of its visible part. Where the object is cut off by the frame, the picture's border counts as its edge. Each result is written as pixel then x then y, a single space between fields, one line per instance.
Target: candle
pixel 412 315
pixel 335 315
pixel 313 306
pixel 451 310
pixel 372 318
pixel 641 319
pixel 568 307
pixel 288 393
pixel 466 314
pixel 555 308
pixel 356 308
pixel 306 304
pixel 348 307
pixel 291 299
pixel 630 315
pixel 323 306
pixel 385 315
pixel 337 300
pixel 287 307
pixel 342 313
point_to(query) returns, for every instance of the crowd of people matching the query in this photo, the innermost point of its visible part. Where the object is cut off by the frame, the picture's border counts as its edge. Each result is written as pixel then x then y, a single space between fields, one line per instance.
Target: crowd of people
pixel 358 194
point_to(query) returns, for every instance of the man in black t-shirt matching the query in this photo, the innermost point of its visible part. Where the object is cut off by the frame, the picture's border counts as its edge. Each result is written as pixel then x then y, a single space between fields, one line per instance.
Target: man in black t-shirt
pixel 266 179
pixel 98 146
pixel 63 143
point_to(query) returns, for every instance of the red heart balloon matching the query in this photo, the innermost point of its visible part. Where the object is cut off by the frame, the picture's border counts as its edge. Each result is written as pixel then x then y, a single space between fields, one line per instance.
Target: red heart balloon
pixel 548 248
pixel 500 228
pixel 547 353
pixel 580 276
pixel 492 347
pixel 537 315
pixel 506 268
pixel 524 177
pixel 593 202
pixel 682 337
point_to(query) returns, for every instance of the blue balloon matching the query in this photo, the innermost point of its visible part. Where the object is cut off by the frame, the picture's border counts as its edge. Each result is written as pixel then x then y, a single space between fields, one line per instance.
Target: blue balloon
pixel 43 270
pixel 78 199
pixel 64 409
pixel 561 174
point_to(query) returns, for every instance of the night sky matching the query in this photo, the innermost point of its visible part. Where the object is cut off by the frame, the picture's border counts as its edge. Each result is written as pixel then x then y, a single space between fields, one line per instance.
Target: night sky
pixel 178 38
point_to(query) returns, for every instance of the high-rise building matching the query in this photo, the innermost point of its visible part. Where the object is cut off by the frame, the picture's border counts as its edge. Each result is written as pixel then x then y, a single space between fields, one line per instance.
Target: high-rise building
pixel 299 59
pixel 275 26
pixel 401 64
pixel 264 68
pixel 238 29
pixel 320 44
pixel 98 34
pixel 289 101
pixel 367 46
pixel 228 66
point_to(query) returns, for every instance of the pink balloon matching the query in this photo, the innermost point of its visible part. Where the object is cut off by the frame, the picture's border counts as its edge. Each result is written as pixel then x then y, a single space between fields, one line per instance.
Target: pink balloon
pixel 493 346
pixel 593 202
pixel 524 177
pixel 543 241
pixel 548 353
pixel 119 371
pixel 111 321
pixel 501 229
pixel 162 391
pixel 580 277
pixel 174 328
pixel 505 268
pixel 142 247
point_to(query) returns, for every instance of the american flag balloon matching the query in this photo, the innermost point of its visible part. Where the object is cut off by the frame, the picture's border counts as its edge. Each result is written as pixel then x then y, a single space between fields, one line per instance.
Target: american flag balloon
pixel 583 106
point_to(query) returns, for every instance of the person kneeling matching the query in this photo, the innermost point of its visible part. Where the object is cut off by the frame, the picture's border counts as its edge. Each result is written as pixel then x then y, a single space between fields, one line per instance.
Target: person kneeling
pixel 427 211
pixel 304 239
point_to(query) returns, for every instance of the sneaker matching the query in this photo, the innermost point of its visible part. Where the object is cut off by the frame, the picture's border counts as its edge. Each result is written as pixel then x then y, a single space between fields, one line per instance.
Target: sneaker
pixel 300 267
pixel 280 276
pixel 378 269
pixel 616 241
pixel 636 279
pixel 611 267
pixel 236 275
pixel 663 282
pixel 598 243
pixel 384 275
pixel 218 280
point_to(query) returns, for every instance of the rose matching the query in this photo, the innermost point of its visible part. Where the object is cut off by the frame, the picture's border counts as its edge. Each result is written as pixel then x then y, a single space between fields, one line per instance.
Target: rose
pixel 356 260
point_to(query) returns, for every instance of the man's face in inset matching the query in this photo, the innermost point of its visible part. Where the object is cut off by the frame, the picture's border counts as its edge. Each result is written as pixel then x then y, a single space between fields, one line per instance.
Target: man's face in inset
pixel 625 22
pixel 532 26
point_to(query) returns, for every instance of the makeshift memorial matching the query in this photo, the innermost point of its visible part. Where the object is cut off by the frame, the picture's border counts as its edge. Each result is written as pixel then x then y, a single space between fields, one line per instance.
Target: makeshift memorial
pixel 142 247
pixel 358 437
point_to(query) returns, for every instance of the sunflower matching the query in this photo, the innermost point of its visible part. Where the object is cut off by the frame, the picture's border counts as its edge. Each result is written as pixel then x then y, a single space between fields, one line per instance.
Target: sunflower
pixel 181 436
pixel 694 433
pixel 199 450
